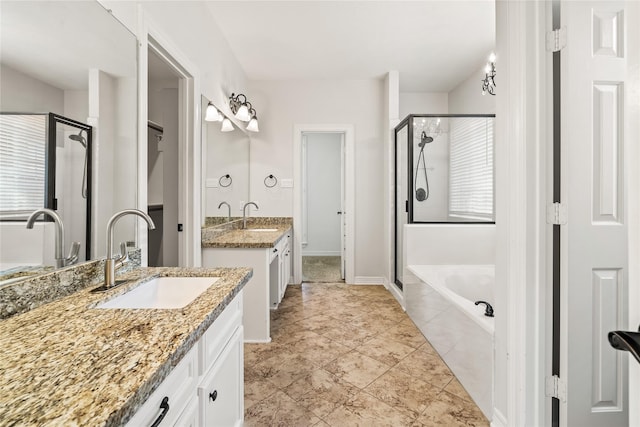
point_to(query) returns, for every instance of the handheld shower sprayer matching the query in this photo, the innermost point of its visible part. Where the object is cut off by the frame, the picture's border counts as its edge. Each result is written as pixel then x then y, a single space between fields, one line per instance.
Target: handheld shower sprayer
pixel 83 141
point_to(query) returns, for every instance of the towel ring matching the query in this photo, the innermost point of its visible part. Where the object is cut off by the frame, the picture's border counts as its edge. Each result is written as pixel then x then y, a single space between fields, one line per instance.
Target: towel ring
pixel 225 180
pixel 270 181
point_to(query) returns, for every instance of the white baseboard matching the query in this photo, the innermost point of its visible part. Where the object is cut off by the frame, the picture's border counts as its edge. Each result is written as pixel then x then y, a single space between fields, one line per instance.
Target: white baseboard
pixel 246 341
pixel 320 253
pixel 366 280
pixel 498 420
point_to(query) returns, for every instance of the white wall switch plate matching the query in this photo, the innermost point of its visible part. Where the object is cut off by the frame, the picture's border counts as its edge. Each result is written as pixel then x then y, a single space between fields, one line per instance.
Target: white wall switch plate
pixel 286 183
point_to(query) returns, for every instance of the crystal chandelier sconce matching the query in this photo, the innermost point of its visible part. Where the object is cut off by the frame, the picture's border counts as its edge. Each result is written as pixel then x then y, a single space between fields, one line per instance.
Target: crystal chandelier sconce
pixel 489 82
pixel 244 111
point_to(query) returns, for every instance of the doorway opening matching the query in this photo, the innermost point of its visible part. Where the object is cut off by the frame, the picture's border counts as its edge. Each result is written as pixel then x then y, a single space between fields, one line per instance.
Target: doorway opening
pixel 341 169
pixel 322 206
pixel 164 151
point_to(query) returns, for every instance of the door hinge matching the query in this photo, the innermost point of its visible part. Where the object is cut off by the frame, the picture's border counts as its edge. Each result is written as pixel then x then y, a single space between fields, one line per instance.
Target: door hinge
pixel 555 387
pixel 556 213
pixel 556 40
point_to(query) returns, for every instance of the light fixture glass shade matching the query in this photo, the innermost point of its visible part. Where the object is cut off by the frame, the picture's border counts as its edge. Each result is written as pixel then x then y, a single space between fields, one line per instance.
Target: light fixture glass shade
pixel 243 113
pixel 227 126
pixel 253 125
pixel 220 116
pixel 212 114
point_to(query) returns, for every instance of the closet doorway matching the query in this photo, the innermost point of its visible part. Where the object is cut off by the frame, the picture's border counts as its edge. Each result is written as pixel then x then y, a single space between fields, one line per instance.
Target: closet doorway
pixel 322 207
pixel 162 161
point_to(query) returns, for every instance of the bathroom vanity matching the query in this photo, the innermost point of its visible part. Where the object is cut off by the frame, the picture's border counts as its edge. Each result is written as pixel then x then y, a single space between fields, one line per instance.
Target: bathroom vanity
pixel 70 362
pixel 265 246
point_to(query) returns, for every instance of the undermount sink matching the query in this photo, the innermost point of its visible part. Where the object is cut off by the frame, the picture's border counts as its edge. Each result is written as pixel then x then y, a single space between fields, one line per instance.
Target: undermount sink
pixel 162 293
pixel 262 229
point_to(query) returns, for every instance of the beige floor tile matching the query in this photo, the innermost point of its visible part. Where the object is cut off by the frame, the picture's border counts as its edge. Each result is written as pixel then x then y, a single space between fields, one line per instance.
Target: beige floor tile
pixel 449 410
pixel 408 334
pixel 384 350
pixel 367 411
pixel 319 350
pixel 357 369
pixel 426 367
pixel 282 371
pixel 454 387
pixel 345 355
pixel 279 410
pixel 403 392
pixel 257 390
pixel 350 336
pixel 321 392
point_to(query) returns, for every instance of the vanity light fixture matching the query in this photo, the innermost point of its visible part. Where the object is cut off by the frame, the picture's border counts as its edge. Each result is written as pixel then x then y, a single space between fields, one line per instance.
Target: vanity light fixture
pixel 212 114
pixel 227 126
pixel 244 111
pixel 253 123
pixel 240 106
pixel 489 83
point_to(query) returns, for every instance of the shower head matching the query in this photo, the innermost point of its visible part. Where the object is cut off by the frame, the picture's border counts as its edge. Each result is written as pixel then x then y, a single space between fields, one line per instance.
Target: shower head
pixel 424 139
pixel 81 139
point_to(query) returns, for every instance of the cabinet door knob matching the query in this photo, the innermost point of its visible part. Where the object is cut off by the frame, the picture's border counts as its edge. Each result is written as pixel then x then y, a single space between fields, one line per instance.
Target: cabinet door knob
pixel 213 395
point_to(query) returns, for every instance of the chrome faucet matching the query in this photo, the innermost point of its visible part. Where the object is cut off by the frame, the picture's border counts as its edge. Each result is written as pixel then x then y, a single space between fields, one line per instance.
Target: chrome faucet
pixel 228 206
pixel 112 264
pixel 61 261
pixel 244 213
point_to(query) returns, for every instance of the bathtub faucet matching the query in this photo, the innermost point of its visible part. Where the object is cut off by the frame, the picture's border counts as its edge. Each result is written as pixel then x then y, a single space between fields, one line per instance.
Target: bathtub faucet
pixel 489 310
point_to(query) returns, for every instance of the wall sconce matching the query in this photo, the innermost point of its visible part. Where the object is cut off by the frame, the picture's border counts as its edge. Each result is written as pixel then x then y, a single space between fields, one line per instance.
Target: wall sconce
pixel 227 126
pixel 244 111
pixel 489 83
pixel 212 114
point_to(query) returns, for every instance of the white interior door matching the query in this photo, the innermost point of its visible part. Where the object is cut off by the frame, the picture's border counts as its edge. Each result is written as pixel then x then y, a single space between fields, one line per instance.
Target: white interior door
pixel 594 242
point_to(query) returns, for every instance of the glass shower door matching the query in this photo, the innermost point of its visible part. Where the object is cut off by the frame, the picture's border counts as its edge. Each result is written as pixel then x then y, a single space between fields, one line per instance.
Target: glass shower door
pixel 401 201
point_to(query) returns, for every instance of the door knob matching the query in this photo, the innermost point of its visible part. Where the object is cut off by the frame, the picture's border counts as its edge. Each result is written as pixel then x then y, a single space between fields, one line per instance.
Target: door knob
pixel 626 341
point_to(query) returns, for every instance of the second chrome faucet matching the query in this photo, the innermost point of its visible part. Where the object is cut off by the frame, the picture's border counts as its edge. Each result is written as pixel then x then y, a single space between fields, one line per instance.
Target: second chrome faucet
pixel 112 264
pixel 244 213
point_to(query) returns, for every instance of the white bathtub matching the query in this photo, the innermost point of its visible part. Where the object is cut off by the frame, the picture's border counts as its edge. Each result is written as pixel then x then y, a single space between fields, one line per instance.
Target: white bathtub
pixel 440 301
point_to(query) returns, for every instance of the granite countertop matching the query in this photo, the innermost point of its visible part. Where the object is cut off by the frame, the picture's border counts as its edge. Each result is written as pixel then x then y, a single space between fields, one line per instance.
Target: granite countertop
pixel 66 363
pixel 232 236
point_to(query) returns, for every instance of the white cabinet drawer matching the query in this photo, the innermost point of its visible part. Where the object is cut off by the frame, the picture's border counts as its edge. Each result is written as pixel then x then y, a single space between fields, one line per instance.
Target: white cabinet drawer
pixel 177 388
pixel 221 391
pixel 214 339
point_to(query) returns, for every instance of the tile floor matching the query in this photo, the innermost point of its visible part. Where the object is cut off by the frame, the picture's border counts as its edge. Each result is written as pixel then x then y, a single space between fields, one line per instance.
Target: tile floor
pixel 321 269
pixel 345 355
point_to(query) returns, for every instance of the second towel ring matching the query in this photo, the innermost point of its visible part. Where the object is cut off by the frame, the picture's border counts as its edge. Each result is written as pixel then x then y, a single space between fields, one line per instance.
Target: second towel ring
pixel 270 181
pixel 225 180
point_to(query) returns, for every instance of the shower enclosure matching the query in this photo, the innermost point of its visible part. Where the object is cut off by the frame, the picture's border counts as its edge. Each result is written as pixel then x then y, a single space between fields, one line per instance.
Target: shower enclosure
pixel 444 173
pixel 46 163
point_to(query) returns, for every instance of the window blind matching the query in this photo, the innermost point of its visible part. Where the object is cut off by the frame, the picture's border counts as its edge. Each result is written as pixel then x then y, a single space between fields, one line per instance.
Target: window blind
pixel 471 168
pixel 23 145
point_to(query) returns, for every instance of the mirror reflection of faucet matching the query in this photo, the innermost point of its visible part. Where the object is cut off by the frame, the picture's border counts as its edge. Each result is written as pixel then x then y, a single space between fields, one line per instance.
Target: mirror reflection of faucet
pixel 112 264
pixel 244 213
pixel 61 261
pixel 229 207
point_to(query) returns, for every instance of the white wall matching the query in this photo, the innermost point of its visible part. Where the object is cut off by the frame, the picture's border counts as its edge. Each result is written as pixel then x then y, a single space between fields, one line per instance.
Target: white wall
pixel 321 231
pixel 280 105
pixel 227 153
pixel 441 244
pixel 423 103
pixel 467 98
pixel 21 93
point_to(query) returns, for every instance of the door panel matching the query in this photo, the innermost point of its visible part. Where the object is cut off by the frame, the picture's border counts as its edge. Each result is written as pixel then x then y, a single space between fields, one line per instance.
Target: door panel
pixel 594 244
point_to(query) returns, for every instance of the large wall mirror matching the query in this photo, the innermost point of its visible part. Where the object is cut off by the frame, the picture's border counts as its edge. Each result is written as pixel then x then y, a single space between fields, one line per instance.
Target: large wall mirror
pixel 68 77
pixel 226 171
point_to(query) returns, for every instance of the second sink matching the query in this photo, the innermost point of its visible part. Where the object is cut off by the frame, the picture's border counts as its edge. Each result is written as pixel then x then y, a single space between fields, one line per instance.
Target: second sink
pixel 162 293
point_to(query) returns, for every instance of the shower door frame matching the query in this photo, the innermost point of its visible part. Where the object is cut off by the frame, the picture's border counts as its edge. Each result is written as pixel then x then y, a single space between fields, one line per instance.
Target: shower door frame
pixel 50 192
pixel 407 121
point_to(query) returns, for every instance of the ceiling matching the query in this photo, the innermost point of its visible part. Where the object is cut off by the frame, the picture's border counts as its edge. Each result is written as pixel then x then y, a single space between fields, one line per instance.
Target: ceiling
pixel 434 45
